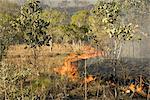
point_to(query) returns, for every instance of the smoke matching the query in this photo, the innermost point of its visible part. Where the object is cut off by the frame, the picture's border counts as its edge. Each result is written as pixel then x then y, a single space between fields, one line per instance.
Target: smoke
pixel 138 14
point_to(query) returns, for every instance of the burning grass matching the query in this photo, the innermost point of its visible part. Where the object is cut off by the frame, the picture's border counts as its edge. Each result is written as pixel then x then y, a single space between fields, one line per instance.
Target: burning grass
pixel 69 66
pixel 71 70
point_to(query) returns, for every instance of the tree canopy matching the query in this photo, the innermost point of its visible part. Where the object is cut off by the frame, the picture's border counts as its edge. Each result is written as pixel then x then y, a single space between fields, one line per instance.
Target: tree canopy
pixel 80 18
pixel 31 25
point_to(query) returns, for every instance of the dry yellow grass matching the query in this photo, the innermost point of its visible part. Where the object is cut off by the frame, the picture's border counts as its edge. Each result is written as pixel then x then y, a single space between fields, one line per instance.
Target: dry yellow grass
pixel 46 59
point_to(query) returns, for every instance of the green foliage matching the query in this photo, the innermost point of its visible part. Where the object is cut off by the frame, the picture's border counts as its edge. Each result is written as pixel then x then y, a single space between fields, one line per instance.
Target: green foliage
pixel 108 17
pixel 4 43
pixel 4 18
pixel 54 17
pixel 6 34
pixel 106 22
pixel 10 80
pixel 74 33
pixel 80 18
pixel 8 12
pixel 121 33
pixel 107 12
pixel 104 16
pixel 32 26
pixel 69 33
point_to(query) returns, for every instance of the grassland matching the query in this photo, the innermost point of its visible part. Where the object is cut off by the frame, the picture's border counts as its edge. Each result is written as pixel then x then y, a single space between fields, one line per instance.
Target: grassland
pixel 48 85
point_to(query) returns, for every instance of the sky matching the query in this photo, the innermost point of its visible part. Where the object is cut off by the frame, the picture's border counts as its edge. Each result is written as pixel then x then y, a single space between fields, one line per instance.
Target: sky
pixel 55 2
pixel 91 1
pixel 80 0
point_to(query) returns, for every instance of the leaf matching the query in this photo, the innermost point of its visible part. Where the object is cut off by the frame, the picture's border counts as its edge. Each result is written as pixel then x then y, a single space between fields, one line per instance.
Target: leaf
pixel 25 47
pixel 47 44
pixel 31 24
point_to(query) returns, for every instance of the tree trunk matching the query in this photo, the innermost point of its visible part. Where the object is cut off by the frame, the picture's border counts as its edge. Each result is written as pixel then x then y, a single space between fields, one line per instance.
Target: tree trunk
pixel 119 52
pixel 114 57
pixel 21 90
pixel 5 90
pixel 85 80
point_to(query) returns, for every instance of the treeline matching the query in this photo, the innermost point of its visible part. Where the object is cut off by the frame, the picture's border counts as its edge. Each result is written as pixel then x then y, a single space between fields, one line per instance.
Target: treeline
pixel 90 26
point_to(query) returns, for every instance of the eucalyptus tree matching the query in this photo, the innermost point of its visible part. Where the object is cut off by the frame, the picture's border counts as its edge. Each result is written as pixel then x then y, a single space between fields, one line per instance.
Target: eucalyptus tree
pixel 73 33
pixel 32 27
pixel 106 16
pixel 80 18
pixel 56 19
pixel 54 16
pixel 106 23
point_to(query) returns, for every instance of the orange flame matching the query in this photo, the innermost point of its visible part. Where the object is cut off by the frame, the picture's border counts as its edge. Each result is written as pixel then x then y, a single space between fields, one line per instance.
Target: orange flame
pixel 137 89
pixel 89 78
pixel 71 70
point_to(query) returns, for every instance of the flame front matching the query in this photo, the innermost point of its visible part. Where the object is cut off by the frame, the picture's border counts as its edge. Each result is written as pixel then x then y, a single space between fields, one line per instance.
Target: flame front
pixel 70 69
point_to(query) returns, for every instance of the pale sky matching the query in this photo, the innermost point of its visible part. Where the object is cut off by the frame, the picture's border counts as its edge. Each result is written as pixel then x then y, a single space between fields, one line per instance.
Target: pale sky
pixel 54 2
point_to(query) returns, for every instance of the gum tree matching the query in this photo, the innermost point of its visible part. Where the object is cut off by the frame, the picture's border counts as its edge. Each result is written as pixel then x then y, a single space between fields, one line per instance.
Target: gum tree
pixel 106 16
pixel 32 26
